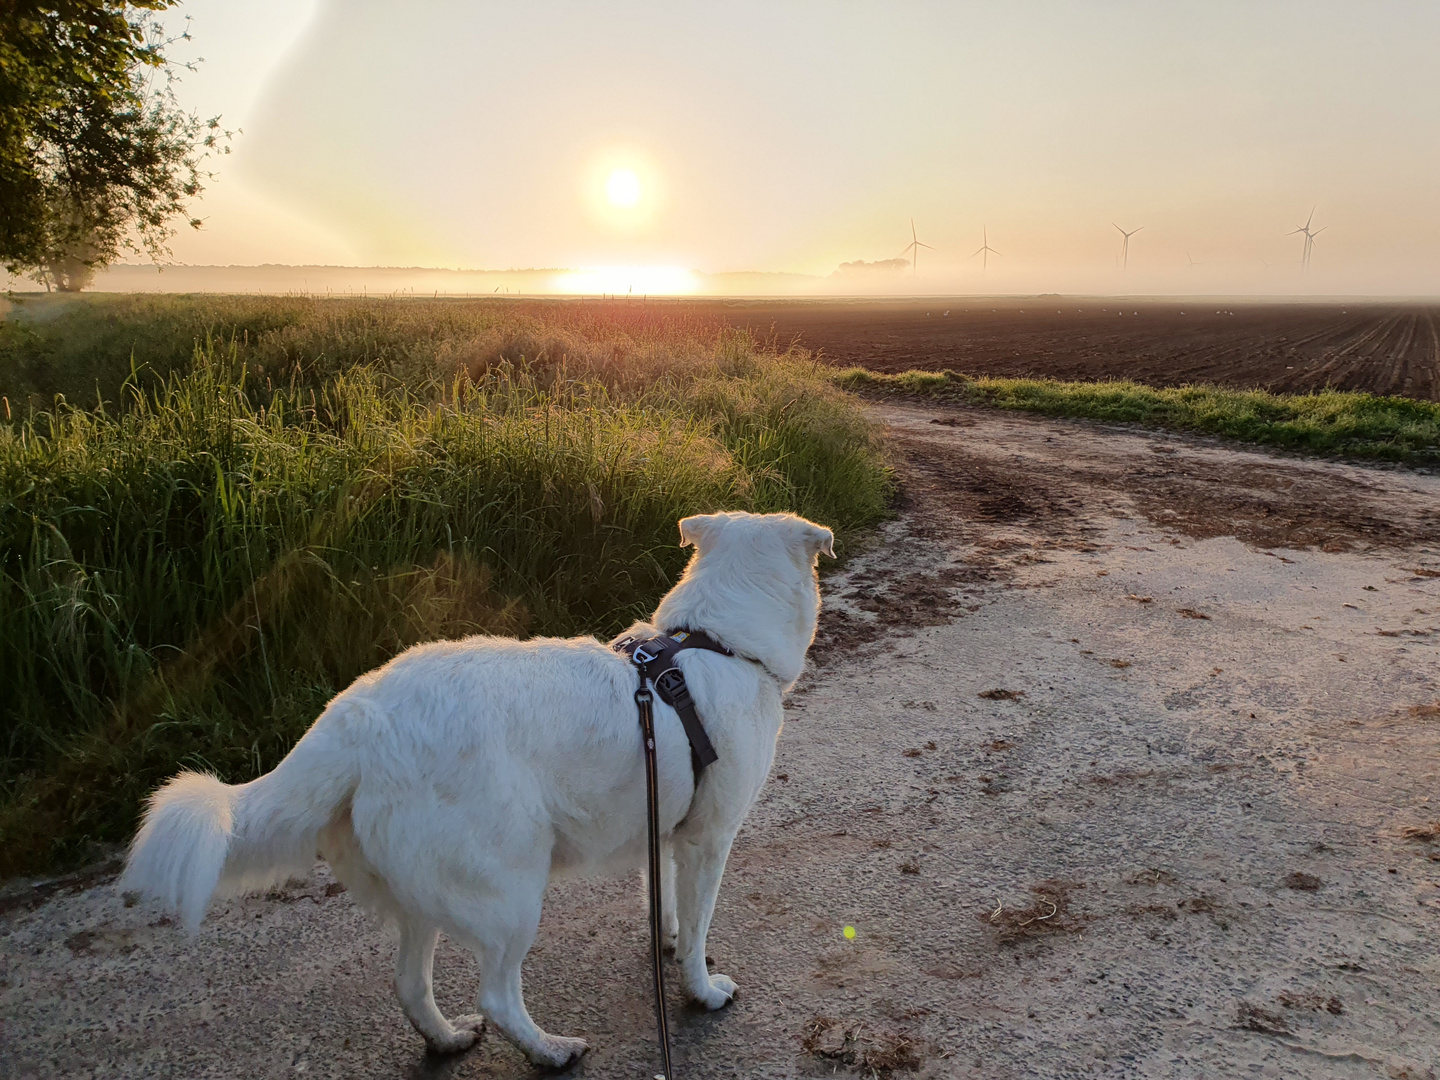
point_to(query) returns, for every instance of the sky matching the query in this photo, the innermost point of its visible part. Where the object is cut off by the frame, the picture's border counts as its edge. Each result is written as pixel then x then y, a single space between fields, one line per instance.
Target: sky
pixel 790 137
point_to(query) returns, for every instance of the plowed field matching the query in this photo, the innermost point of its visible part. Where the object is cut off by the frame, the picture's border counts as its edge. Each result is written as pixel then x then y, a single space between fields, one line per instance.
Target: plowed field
pixel 1382 348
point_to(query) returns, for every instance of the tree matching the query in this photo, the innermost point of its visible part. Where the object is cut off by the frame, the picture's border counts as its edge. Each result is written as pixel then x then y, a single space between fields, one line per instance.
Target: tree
pixel 96 155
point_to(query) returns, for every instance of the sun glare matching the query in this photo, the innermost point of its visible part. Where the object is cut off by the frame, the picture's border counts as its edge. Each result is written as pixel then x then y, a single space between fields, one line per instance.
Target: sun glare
pixel 627 281
pixel 622 188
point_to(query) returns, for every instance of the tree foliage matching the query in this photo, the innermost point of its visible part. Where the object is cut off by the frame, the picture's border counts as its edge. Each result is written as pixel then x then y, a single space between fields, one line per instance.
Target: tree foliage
pixel 96 155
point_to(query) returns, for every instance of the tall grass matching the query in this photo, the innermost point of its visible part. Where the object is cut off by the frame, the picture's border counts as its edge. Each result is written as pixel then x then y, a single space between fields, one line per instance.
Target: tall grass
pixel 188 572
pixel 1335 422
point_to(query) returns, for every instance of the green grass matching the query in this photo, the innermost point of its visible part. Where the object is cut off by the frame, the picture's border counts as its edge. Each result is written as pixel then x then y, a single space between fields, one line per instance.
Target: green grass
pixel 192 566
pixel 1331 422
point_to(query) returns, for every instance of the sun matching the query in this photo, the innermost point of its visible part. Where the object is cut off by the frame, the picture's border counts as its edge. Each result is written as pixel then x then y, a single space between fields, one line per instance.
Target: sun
pixel 622 188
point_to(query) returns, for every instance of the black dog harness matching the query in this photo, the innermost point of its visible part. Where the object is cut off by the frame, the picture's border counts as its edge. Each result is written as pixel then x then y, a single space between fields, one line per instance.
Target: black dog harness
pixel 655 660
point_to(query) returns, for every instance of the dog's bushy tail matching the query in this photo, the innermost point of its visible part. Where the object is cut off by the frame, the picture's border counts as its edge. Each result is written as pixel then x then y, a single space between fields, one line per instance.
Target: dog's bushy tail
pixel 202 837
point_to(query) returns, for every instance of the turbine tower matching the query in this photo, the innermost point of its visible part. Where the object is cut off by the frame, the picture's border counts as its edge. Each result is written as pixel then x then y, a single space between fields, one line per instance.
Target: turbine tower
pixel 985 250
pixel 1125 244
pixel 1309 239
pixel 913 249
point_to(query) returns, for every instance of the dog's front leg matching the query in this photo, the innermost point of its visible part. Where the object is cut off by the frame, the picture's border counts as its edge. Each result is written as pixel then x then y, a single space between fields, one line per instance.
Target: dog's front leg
pixel 667 896
pixel 699 864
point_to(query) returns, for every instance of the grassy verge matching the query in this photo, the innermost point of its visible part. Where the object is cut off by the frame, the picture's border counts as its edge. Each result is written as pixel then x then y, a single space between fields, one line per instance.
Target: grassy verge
pixel 1330 422
pixel 189 570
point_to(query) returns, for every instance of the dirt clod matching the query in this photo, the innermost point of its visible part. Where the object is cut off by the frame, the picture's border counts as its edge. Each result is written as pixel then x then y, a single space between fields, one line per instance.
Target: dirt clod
pixel 1048 913
pixel 863 1046
pixel 1303 882
pixel 1001 695
pixel 1251 1017
pixel 1313 1002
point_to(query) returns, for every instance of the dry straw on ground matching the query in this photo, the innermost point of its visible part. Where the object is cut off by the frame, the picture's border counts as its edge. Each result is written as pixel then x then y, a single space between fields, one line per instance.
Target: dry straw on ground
pixel 872 1050
pixel 1048 913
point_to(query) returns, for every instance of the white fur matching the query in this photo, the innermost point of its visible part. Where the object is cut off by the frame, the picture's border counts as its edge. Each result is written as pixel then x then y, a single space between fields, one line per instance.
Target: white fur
pixel 449 786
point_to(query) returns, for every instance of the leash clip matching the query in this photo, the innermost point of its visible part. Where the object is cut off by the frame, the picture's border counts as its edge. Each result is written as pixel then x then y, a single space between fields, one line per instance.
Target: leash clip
pixel 643 696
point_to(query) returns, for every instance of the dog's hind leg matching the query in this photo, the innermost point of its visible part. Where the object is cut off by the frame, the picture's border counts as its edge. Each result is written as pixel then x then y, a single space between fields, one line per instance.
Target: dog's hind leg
pixel 699 864
pixel 414 965
pixel 501 930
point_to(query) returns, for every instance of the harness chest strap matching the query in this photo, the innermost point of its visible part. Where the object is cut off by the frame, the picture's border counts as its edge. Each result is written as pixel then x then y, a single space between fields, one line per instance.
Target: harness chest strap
pixel 655 659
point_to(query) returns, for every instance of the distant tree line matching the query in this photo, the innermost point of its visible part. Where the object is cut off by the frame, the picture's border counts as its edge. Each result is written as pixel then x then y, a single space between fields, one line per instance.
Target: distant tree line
pixel 96 155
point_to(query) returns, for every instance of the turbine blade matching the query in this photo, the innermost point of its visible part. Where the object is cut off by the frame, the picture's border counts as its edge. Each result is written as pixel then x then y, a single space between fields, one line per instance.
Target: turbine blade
pixel 977 251
pixel 918 244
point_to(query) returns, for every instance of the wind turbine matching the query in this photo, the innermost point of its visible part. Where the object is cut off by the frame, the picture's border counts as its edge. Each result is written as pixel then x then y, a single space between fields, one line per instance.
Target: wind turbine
pixel 914 249
pixel 985 250
pixel 1191 261
pixel 1125 244
pixel 1309 239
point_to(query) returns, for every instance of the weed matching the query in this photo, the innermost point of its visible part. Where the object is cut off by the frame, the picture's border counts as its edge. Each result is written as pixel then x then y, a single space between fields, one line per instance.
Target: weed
pixel 188 576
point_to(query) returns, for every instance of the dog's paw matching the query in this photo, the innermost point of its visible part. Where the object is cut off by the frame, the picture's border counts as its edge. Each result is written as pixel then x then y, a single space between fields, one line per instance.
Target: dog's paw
pixel 719 992
pixel 465 1033
pixel 558 1052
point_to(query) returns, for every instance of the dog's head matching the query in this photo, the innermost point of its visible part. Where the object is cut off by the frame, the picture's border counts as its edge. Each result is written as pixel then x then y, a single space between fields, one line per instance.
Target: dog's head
pixel 753 584
pixel 775 534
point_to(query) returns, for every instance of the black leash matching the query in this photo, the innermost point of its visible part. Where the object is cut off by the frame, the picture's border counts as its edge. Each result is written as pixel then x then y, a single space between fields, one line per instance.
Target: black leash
pixel 655 660
pixel 644 700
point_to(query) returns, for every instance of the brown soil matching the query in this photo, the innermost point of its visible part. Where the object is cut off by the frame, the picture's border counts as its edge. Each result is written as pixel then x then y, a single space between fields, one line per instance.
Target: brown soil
pixel 1386 348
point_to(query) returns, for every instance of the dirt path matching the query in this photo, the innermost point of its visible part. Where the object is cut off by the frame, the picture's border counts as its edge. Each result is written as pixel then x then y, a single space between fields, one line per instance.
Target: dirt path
pixel 1109 757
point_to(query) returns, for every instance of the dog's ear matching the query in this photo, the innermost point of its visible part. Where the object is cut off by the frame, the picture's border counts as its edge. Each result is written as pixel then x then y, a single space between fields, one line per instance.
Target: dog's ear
pixel 817 539
pixel 699 530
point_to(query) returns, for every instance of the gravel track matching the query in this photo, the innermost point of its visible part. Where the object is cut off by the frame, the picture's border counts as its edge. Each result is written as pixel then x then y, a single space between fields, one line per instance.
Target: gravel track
pixel 1108 754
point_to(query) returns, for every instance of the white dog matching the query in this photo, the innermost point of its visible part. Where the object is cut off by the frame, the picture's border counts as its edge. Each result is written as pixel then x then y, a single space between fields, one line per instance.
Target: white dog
pixel 448 787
